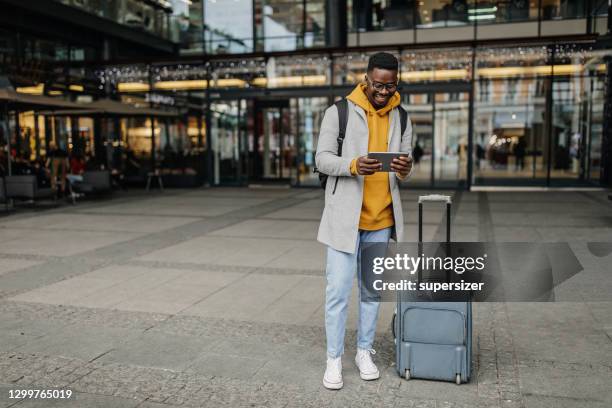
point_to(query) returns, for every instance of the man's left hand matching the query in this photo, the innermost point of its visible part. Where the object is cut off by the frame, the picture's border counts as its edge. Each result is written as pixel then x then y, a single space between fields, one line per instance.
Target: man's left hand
pixel 402 165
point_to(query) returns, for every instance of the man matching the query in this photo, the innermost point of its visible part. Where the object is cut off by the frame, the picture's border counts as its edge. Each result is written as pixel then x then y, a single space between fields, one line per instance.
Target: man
pixel 362 204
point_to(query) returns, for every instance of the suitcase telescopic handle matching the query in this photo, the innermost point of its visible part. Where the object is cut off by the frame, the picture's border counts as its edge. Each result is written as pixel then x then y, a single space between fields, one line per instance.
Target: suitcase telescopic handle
pixel 435 198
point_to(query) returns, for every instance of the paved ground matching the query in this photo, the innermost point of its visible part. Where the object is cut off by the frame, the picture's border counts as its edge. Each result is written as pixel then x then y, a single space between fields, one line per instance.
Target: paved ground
pixel 214 297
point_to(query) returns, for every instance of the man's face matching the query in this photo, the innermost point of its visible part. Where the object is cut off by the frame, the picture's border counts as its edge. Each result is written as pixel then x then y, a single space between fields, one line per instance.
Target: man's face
pixel 381 85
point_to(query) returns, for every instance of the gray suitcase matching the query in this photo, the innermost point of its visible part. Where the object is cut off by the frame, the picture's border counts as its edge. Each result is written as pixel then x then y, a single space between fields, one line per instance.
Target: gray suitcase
pixel 433 339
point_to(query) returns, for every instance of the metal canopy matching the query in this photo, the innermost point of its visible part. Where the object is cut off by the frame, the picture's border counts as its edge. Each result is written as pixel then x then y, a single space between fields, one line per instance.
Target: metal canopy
pixel 109 107
pixel 25 101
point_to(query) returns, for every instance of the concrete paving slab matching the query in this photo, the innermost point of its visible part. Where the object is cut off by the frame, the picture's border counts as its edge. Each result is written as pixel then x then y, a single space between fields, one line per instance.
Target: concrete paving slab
pixel 28 328
pixel 246 298
pixel 97 222
pixel 162 209
pixel 516 234
pixel 228 366
pixel 160 350
pixel 80 400
pixel 536 401
pixel 298 213
pixel 80 341
pixel 261 228
pixel 5 400
pixel 566 383
pixel 64 292
pixel 304 255
pixel 298 304
pixel 223 251
pixel 11 341
pixel 11 234
pixel 62 243
pixel 573 234
pixel 9 265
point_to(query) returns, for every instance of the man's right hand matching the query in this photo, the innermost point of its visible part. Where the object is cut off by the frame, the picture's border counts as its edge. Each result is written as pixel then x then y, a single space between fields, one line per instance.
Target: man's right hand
pixel 366 166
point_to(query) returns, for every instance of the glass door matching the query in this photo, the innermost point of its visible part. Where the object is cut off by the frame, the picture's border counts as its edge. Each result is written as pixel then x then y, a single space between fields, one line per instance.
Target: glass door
pixel 226 126
pixel 309 114
pixel 420 111
pixel 439 137
pixel 274 159
pixel 451 114
pixel 510 144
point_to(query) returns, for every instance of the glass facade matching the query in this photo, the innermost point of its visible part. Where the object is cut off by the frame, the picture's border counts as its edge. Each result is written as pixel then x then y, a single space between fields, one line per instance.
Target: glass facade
pixel 483 113
pixel 366 15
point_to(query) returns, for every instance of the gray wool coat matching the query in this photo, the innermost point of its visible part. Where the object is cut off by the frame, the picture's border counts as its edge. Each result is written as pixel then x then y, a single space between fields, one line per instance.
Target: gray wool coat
pixel 340 220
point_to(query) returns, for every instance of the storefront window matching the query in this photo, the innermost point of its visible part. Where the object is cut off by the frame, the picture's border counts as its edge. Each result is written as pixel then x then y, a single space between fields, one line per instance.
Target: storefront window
pixel 436 65
pixel 241 73
pixel 513 62
pixel 560 9
pixel 228 29
pixel 308 70
pixel 226 130
pixel 309 113
pixel 285 25
pixel 446 13
pixel 350 68
pixel 484 11
pixel 509 130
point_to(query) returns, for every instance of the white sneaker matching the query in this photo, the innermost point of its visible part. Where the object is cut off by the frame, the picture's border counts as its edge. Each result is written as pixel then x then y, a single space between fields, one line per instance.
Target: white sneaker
pixel 332 379
pixel 367 368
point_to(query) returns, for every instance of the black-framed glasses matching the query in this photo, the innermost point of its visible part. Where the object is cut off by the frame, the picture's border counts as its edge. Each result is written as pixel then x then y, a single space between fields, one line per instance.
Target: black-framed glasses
pixel 379 86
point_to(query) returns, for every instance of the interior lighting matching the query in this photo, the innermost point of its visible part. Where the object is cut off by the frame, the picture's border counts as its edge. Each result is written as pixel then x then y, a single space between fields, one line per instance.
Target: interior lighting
pixel 32 90
pixel 481 17
pixel 483 10
pixel 181 85
pixel 132 87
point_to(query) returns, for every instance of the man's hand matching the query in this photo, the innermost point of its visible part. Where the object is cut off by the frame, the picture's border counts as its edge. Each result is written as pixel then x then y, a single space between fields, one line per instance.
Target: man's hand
pixel 402 166
pixel 366 166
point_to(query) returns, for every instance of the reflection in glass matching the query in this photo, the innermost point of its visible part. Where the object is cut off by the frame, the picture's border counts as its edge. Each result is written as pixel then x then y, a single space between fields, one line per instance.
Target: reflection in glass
pixel 225 140
pixel 436 65
pixel 285 25
pixel 309 113
pixel 560 9
pixel 229 29
pixel 311 70
pixel 443 13
pixel 451 137
pixel 503 11
pixel 420 112
pixel 509 130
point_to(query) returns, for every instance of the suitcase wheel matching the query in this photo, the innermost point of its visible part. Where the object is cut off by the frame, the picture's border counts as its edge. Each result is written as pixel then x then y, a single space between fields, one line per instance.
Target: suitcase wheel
pixel 458 379
pixel 407 374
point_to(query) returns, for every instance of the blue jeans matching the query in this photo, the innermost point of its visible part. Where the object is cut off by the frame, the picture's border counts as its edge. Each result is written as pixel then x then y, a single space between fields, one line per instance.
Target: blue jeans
pixel 341 268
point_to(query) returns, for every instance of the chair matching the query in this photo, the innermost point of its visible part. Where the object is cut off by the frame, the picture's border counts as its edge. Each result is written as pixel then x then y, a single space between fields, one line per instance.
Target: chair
pixel 3 197
pixel 25 187
pixel 94 182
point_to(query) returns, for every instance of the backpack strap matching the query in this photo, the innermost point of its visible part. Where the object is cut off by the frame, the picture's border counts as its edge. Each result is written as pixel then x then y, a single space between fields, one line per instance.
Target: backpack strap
pixel 403 119
pixel 342 106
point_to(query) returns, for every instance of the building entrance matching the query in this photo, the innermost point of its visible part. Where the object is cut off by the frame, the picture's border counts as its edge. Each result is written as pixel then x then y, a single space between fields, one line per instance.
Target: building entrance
pixel 274 151
pixel 440 137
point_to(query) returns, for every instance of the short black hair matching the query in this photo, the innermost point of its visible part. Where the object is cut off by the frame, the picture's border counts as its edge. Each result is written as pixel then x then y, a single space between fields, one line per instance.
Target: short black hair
pixel 383 60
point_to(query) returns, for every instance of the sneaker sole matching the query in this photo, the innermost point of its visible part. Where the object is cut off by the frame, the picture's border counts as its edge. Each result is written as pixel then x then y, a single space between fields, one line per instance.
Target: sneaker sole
pixel 370 377
pixel 333 386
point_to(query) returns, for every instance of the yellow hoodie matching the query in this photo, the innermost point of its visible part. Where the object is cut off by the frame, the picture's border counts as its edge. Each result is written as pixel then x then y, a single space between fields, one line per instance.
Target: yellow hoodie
pixel 377 207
